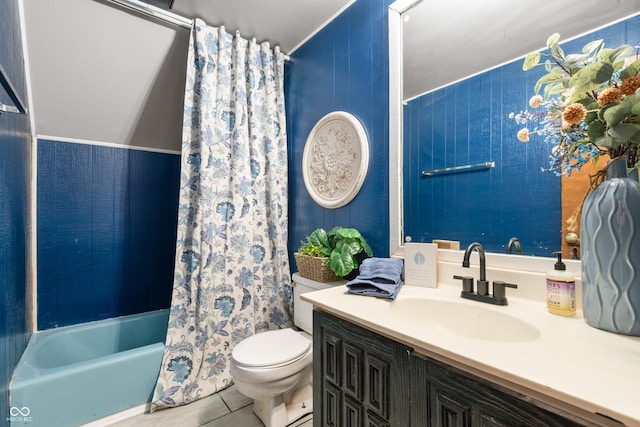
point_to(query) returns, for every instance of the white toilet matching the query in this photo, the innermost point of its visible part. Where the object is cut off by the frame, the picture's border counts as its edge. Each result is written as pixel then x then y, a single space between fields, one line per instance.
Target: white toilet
pixel 274 367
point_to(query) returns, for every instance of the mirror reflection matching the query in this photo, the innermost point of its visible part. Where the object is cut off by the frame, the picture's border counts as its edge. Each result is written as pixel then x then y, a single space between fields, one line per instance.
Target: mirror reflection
pixel 462 77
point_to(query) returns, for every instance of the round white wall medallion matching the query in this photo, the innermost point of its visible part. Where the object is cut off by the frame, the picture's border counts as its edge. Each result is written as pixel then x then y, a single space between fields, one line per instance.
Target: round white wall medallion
pixel 335 159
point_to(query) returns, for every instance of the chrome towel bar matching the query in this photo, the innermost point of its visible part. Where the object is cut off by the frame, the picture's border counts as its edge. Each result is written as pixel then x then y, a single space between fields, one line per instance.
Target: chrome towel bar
pixel 458 169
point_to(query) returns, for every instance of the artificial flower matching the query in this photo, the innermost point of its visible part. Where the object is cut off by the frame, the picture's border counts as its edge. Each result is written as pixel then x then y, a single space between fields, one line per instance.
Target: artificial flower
pixel 574 114
pixel 610 95
pixel 523 135
pixel 536 101
pixel 630 85
pixel 586 105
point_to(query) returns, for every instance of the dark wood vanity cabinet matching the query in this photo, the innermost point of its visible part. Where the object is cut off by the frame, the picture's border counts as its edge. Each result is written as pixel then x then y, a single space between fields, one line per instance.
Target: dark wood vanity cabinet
pixel 454 398
pixel 362 379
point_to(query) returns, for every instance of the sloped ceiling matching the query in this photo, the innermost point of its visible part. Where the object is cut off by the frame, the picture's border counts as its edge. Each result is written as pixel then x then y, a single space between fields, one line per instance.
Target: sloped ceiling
pixel 102 73
pixel 285 23
pixel 445 41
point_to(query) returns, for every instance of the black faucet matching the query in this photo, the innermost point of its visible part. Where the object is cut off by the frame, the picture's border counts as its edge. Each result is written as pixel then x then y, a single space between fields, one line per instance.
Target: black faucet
pixel 514 242
pixel 483 285
pixel 498 297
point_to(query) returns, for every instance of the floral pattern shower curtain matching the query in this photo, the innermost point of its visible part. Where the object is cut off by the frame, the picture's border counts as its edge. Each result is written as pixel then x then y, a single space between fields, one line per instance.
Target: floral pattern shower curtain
pixel 232 275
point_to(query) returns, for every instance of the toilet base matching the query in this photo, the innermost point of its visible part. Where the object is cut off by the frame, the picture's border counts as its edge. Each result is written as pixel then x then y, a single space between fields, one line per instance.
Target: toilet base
pixel 282 410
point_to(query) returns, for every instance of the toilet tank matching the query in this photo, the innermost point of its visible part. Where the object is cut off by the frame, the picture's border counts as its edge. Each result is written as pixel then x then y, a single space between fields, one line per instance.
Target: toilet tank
pixel 302 310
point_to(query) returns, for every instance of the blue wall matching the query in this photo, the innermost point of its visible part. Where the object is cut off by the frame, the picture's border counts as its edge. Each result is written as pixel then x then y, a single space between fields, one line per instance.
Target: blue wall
pixel 343 67
pixel 467 123
pixel 106 224
pixel 15 158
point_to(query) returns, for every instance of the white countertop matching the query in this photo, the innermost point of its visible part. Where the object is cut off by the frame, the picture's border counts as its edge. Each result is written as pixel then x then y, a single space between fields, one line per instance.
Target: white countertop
pixel 569 361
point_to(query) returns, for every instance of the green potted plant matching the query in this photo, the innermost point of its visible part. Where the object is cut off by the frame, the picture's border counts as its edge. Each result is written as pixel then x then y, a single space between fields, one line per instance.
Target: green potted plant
pixel 313 256
pixel 348 250
pixel 328 256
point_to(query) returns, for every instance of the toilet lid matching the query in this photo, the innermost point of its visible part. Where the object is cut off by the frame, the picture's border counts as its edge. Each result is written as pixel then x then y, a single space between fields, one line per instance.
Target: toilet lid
pixel 271 348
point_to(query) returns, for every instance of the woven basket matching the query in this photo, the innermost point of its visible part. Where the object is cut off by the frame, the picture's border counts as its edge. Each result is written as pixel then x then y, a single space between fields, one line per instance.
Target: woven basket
pixel 314 268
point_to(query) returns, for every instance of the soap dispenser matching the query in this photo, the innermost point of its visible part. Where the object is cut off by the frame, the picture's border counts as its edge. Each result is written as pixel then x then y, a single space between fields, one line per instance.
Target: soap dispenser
pixel 561 289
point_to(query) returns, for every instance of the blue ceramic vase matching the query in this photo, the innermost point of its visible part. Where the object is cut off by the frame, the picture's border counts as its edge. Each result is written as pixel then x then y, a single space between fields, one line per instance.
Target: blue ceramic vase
pixel 610 246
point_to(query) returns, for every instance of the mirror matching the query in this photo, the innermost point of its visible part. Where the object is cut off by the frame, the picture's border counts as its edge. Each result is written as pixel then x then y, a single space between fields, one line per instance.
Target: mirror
pixel 458 77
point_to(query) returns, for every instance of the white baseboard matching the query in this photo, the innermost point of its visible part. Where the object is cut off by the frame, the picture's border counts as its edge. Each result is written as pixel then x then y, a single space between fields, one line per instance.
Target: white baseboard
pixel 119 416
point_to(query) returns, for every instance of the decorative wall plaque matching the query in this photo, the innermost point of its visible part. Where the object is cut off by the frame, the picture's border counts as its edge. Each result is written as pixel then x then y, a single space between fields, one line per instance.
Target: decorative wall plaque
pixel 335 159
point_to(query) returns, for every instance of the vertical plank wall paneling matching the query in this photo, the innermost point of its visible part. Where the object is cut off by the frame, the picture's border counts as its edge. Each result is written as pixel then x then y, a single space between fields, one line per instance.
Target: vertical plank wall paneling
pixel 467 122
pixel 15 160
pixel 106 231
pixel 344 67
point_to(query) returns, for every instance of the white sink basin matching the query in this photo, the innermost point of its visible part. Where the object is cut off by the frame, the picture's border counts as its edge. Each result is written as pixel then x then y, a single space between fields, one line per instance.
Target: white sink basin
pixel 477 321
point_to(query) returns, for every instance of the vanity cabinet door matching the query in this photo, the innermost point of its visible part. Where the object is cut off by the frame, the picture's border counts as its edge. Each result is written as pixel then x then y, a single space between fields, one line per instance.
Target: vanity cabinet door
pixel 457 398
pixel 360 379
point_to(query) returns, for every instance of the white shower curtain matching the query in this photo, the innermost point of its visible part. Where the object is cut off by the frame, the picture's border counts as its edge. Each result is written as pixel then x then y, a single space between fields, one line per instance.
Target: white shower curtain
pixel 232 274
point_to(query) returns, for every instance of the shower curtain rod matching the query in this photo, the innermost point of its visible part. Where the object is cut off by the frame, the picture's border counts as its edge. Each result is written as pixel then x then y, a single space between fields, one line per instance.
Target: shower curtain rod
pixel 158 13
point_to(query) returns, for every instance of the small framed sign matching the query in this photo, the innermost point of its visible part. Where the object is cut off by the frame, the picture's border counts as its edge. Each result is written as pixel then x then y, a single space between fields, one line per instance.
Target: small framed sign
pixel 421 264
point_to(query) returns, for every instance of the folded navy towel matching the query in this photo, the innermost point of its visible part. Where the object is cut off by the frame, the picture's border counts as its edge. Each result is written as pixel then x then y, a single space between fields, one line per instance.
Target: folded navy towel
pixel 378 277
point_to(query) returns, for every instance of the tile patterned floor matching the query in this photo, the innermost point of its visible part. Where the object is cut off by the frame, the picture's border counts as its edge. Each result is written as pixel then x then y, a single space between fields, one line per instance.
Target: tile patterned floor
pixel 228 408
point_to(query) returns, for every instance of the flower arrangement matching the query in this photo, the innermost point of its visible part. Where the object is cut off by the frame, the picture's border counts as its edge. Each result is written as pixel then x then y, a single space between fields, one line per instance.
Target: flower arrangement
pixel 589 107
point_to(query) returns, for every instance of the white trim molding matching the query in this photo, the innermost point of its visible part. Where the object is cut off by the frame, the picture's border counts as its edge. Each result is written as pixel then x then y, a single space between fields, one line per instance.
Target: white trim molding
pixel 107 144
pixel 395 122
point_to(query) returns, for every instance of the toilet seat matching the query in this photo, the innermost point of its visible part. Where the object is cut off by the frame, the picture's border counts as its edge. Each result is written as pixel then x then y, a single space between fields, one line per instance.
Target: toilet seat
pixel 270 355
pixel 271 348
